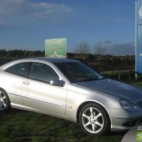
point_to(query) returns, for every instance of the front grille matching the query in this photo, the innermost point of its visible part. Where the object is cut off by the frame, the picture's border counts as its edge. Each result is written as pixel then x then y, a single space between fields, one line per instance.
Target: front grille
pixel 140 103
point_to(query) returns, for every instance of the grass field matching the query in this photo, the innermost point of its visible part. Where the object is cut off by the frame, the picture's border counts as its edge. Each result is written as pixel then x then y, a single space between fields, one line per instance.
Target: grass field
pixel 23 126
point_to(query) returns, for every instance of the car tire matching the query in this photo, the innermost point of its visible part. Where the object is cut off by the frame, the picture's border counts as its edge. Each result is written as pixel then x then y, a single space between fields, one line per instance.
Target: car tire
pixel 94 119
pixel 4 101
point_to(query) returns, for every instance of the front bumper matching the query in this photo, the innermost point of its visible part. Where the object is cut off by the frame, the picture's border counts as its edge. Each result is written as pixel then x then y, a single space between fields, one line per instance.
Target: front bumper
pixel 122 120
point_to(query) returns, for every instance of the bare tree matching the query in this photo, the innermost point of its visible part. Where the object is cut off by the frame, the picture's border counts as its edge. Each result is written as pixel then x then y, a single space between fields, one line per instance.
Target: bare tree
pixel 82 50
pixel 99 48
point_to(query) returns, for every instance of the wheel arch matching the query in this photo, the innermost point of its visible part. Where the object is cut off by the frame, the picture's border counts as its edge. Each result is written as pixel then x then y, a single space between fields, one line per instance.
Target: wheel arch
pixel 3 90
pixel 88 102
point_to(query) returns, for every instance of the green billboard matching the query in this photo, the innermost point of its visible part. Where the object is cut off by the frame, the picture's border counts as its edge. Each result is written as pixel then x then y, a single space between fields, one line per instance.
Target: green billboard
pixel 56 48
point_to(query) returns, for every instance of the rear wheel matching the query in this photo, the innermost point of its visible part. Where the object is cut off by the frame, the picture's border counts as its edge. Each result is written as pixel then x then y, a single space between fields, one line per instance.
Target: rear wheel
pixel 4 100
pixel 93 119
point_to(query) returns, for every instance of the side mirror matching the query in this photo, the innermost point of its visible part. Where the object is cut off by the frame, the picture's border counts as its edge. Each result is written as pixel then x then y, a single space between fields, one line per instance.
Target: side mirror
pixel 59 83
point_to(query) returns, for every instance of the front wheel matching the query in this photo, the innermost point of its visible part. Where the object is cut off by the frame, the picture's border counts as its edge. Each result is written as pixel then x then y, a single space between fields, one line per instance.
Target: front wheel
pixel 93 119
pixel 4 100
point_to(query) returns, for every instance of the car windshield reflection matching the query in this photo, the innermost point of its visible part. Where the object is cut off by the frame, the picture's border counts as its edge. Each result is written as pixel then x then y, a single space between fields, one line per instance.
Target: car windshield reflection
pixel 78 72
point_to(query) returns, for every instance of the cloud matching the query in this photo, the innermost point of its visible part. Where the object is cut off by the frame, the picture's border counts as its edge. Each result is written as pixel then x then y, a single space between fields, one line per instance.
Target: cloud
pixel 40 10
pixel 121 49
pixel 106 42
pixel 17 10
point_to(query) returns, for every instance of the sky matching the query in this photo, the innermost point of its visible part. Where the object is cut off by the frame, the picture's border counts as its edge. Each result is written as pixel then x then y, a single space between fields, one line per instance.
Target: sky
pixel 25 24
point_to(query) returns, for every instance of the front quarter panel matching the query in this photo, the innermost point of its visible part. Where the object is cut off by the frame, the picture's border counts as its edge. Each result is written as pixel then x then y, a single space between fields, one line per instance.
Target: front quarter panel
pixel 78 95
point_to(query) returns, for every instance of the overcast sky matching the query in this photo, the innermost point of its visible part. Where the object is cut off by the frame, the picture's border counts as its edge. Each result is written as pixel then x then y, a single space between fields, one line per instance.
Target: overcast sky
pixel 25 24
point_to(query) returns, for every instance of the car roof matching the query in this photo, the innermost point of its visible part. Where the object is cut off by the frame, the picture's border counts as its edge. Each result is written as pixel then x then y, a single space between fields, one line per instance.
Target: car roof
pixel 45 59
pixel 52 60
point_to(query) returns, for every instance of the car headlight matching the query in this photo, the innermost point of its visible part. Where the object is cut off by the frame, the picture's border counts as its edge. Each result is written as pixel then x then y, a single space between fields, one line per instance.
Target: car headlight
pixel 128 106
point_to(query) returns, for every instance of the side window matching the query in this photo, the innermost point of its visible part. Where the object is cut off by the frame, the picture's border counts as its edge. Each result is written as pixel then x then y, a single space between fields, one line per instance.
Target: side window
pixel 42 72
pixel 18 69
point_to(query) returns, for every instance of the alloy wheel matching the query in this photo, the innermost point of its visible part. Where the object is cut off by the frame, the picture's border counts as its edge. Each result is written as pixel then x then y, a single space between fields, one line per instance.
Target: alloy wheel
pixel 92 120
pixel 3 100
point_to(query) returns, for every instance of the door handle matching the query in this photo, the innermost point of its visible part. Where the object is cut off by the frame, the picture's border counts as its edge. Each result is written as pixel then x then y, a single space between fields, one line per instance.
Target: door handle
pixel 26 82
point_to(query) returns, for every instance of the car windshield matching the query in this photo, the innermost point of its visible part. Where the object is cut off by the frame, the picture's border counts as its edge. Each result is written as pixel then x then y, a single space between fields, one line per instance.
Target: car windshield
pixel 78 72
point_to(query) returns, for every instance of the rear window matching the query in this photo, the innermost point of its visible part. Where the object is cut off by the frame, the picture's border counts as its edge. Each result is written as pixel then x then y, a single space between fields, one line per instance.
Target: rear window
pixel 18 69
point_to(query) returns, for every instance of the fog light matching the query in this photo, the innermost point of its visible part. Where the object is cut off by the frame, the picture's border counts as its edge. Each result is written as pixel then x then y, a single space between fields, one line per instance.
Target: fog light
pixel 130 123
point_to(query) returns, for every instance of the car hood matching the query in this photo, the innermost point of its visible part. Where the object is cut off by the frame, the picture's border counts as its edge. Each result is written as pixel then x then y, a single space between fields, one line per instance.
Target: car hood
pixel 114 88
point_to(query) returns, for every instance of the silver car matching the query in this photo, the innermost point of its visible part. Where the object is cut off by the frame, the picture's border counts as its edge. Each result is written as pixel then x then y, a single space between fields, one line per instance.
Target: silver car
pixel 70 90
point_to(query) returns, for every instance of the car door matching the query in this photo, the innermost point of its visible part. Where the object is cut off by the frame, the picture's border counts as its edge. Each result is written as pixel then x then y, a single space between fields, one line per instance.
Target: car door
pixel 39 94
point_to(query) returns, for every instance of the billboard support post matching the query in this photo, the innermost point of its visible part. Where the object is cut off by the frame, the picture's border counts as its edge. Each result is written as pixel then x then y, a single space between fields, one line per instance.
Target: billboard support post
pixel 138 36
